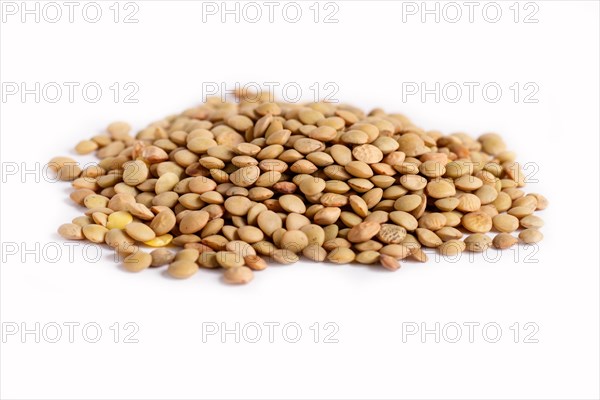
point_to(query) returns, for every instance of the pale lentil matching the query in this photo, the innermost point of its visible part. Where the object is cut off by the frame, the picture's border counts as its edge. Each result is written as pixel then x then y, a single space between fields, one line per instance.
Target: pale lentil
pixel 227 181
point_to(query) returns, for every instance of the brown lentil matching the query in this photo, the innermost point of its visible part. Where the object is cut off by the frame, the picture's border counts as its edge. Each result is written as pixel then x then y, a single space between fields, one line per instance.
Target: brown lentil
pixel 230 259
pixel 161 257
pixel 182 269
pixel 530 236
pixel 94 233
pixel 389 262
pixel 140 232
pixel 71 232
pixel 478 242
pixel 504 241
pixel 137 261
pixel 228 181
pixel 341 255
pixel 363 231
pixel 532 221
pixel 284 256
pixel 452 247
pixel 237 275
pixel 255 262
pixel 505 223
pixel 477 222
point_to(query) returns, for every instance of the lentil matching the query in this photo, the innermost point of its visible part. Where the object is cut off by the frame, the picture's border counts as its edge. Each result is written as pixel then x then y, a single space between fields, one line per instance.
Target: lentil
pixel 228 181
pixel 137 261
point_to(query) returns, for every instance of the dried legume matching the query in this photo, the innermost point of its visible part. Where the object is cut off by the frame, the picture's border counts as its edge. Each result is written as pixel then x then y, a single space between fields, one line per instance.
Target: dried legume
pixel 229 181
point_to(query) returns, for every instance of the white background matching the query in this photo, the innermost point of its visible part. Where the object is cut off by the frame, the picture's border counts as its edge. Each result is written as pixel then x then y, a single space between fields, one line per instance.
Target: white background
pixel 368 54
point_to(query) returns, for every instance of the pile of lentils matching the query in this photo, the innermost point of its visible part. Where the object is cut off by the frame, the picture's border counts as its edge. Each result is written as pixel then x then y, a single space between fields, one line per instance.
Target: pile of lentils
pixel 232 185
